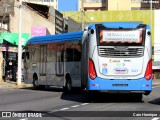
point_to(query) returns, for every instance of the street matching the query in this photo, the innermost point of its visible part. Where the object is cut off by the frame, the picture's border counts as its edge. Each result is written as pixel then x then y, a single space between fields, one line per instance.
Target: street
pixel 54 100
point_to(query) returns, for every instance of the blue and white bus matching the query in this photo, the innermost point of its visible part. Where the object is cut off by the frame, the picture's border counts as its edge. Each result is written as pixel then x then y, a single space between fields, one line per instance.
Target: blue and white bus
pixel 54 60
pixel 119 56
pixel 112 57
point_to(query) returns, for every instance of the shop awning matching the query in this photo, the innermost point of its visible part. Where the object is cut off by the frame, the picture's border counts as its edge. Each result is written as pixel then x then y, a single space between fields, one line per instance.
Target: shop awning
pixel 12 38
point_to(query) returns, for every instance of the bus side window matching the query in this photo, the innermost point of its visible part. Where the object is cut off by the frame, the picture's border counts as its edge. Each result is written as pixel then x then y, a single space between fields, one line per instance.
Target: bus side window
pixel 69 54
pixel 77 55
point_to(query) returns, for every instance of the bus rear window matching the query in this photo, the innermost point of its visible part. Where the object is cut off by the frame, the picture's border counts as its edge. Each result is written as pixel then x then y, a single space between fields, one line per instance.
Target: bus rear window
pixel 119 37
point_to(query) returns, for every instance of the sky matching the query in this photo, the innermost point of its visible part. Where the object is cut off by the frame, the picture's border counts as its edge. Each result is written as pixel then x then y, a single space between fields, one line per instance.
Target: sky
pixel 67 5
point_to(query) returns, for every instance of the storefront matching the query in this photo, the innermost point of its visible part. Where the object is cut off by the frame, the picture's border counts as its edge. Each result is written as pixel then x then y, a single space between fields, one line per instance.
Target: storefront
pixel 9 49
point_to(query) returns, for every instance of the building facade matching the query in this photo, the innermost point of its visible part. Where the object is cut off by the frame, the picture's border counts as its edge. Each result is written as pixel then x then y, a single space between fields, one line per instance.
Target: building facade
pixel 101 5
pixel 53 3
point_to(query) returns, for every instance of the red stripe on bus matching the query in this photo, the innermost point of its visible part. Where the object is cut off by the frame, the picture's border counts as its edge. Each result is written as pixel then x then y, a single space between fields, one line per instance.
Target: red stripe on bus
pixel 115 41
pixel 123 41
pixel 101 41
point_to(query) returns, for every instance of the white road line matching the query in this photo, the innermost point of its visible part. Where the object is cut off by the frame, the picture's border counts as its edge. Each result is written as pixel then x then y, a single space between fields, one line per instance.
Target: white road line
pixel 156 118
pixel 75 106
pixel 24 119
pixel 64 109
pixel 156 86
pixel 53 111
pixel 85 104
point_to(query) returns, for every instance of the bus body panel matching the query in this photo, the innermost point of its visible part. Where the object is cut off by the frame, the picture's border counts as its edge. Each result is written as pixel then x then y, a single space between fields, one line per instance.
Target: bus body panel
pixel 119 84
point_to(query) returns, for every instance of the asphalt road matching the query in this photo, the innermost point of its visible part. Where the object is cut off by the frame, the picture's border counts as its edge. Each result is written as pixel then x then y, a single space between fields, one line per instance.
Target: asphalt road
pixel 77 105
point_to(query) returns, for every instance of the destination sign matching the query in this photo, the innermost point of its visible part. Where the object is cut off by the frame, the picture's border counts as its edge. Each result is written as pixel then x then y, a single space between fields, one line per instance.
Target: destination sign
pixel 119 36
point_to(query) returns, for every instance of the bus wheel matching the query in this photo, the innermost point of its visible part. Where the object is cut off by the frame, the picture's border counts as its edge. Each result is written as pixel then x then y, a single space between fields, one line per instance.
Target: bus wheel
pixel 138 97
pixel 68 86
pixel 147 93
pixel 35 82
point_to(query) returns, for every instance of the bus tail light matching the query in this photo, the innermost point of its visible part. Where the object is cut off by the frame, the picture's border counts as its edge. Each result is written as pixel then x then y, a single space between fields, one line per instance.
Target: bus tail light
pixel 92 71
pixel 148 74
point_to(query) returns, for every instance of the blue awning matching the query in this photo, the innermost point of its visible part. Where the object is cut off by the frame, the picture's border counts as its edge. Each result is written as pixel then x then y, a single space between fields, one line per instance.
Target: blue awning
pixel 72 36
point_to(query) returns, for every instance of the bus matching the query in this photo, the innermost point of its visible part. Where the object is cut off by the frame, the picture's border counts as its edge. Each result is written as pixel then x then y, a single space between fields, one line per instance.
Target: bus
pixel 119 56
pixel 115 57
pixel 53 60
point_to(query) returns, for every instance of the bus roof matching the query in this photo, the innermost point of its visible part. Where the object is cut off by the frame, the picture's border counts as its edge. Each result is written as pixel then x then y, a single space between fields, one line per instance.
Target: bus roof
pixel 118 25
pixel 72 36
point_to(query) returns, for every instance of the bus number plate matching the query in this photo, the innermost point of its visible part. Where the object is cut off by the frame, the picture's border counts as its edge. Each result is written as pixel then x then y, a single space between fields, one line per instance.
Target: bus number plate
pixel 120 85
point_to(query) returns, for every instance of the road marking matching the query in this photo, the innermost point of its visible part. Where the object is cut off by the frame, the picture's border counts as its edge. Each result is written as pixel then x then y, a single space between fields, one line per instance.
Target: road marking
pixel 156 118
pixel 69 107
pixel 156 86
pixel 85 104
pixel 64 109
pixel 53 111
pixel 24 119
pixel 75 106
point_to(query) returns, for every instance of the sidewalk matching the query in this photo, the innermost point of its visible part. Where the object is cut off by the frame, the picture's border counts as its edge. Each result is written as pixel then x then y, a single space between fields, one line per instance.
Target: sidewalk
pixel 156 82
pixel 11 84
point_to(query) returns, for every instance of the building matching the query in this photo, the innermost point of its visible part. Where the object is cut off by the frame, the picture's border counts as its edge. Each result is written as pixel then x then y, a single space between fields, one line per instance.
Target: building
pixel 97 5
pixel 146 4
pixel 101 5
pixel 36 20
pixel 53 3
pixel 9 16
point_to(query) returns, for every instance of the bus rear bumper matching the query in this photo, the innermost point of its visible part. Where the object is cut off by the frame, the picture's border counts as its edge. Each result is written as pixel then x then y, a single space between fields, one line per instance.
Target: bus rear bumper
pixel 121 85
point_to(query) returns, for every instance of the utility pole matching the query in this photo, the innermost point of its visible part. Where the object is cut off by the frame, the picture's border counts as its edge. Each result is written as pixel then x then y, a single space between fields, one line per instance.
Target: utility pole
pixel 20 45
pixel 151 13
pixel 82 14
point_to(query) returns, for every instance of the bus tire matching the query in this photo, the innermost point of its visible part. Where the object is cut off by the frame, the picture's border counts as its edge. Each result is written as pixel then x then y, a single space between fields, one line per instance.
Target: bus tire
pixel 138 96
pixel 147 93
pixel 35 82
pixel 68 86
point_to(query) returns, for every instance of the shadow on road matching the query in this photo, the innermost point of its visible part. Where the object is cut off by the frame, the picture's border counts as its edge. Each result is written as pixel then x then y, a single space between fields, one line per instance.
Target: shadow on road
pixel 99 97
pixel 47 89
pixel 155 101
pixel 83 96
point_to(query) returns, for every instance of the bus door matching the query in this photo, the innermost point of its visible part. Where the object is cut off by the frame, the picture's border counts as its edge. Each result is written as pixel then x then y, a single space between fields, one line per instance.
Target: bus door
pixel 43 60
pixel 60 60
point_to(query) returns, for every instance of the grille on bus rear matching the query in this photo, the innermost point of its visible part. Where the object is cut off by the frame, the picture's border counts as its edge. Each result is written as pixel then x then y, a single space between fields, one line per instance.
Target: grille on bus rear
pixel 109 51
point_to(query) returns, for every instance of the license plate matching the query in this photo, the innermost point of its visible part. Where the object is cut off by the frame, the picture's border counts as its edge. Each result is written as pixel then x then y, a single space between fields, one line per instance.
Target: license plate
pixel 120 85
